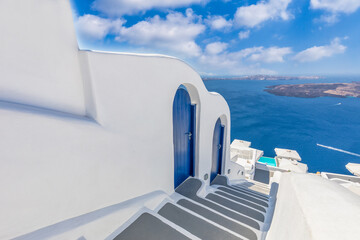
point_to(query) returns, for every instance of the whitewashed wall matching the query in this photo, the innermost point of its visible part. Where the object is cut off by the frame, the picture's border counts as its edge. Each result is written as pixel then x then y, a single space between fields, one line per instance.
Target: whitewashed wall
pixel 38 55
pixel 112 140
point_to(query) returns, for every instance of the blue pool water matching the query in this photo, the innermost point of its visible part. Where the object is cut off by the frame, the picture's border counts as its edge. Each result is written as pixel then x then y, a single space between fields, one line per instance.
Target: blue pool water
pixel 270 121
pixel 268 161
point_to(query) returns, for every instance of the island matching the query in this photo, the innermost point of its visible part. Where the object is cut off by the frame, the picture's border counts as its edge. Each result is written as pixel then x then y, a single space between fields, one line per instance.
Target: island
pixel 260 77
pixel 314 90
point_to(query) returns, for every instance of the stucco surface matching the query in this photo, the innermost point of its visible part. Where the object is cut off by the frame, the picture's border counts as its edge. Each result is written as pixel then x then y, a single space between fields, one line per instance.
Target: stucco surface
pixel 39 55
pixel 84 130
pixel 311 207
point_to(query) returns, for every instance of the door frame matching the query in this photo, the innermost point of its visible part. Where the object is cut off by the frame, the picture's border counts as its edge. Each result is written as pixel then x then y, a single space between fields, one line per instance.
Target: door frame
pixel 193 129
pixel 220 155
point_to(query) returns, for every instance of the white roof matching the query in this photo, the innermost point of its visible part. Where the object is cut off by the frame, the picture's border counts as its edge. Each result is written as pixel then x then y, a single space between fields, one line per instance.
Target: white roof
pixel 240 143
pixel 292 165
pixel 287 153
pixel 259 154
pixel 354 168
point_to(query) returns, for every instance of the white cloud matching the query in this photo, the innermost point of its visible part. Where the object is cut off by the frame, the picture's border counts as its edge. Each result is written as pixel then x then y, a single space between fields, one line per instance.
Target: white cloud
pixel 328 18
pixel 318 52
pixel 130 7
pixel 176 33
pixel 270 55
pixel 96 28
pixel 224 64
pixel 244 34
pixel 245 61
pixel 253 15
pixel 336 6
pixel 218 23
pixel 244 53
pixel 262 54
pixel 215 48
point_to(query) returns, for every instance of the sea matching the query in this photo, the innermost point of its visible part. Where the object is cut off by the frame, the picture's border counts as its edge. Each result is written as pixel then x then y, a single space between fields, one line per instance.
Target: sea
pixel 325 131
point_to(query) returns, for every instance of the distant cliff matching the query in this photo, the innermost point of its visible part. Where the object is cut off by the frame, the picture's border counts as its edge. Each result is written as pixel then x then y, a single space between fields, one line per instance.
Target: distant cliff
pixel 261 77
pixel 314 90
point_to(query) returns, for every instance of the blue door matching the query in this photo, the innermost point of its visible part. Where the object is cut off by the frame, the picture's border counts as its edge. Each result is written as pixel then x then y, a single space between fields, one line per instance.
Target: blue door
pixel 217 154
pixel 183 132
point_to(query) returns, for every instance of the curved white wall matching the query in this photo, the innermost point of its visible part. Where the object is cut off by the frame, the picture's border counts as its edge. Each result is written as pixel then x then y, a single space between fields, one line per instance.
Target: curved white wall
pixel 141 101
pixel 55 166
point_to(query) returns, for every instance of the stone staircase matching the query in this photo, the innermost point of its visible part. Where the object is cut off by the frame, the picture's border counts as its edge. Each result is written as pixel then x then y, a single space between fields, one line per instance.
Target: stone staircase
pixel 196 211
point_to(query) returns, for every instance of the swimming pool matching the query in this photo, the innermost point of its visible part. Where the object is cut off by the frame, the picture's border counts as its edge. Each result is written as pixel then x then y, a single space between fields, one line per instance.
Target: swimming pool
pixel 268 161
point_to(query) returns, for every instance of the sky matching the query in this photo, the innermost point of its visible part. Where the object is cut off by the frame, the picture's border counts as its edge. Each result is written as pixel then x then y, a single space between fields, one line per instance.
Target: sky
pixel 228 38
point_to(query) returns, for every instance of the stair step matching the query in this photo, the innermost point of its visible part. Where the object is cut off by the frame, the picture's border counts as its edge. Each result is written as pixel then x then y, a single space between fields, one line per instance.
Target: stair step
pixel 244 196
pixel 250 192
pixel 221 180
pixel 264 192
pixel 236 207
pixel 256 187
pixel 189 189
pixel 255 183
pixel 242 201
pixel 193 224
pixel 219 219
pixel 149 227
pixel 226 212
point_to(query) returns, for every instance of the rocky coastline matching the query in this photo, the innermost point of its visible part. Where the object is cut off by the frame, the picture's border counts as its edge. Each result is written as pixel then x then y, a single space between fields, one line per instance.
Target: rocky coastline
pixel 314 90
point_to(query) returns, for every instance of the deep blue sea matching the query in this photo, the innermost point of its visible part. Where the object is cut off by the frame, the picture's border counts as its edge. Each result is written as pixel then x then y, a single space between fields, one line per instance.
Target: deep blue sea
pixel 270 121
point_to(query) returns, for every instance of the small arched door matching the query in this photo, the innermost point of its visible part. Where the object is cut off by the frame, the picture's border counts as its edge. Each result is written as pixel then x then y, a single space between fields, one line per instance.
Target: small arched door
pixel 217 154
pixel 183 136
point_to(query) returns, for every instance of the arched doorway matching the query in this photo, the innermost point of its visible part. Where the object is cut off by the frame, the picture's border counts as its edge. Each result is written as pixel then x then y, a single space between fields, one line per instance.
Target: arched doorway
pixel 183 136
pixel 217 153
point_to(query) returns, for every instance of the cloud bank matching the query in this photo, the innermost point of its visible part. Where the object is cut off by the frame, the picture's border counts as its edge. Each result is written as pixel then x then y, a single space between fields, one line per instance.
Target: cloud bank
pixel 92 27
pixel 219 23
pixel 255 14
pixel 131 7
pixel 209 41
pixel 318 52
pixel 336 6
pixel 176 33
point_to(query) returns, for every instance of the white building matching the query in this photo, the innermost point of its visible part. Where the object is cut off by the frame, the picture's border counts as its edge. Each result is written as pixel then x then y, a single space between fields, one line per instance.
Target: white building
pixel 93 145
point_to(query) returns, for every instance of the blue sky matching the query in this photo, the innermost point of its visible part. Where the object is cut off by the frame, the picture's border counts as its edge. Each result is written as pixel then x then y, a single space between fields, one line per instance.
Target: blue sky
pixel 224 37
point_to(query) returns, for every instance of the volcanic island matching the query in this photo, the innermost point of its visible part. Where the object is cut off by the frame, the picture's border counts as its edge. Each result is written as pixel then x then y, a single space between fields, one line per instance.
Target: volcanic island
pixel 314 90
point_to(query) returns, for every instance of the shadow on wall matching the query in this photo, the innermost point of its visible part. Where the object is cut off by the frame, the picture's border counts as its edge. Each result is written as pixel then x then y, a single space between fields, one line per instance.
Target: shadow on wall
pixel 273 193
pixel 19 107
pixel 262 175
pixel 72 223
